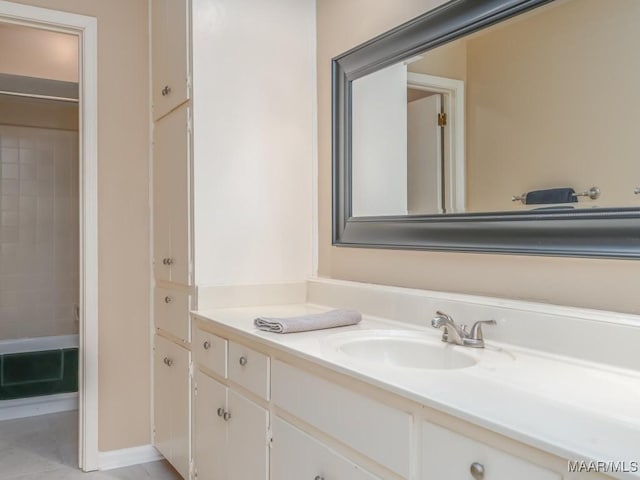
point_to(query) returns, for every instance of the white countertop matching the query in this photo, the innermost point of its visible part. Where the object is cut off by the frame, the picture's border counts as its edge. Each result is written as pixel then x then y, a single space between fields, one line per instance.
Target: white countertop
pixel 570 408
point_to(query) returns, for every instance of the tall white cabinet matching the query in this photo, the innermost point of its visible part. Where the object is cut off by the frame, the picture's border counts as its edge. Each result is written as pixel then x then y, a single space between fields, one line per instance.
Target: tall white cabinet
pixel 233 91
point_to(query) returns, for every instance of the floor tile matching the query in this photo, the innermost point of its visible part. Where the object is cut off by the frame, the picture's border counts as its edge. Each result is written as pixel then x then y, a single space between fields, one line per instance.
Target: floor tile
pixel 46 448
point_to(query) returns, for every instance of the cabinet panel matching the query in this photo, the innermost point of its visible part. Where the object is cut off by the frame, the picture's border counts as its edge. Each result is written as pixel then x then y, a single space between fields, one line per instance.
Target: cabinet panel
pixel 249 369
pixel 172 412
pixel 162 397
pixel 170 54
pixel 378 431
pixel 248 443
pixel 181 426
pixel 210 429
pixel 446 454
pixel 172 197
pixel 295 454
pixel 161 202
pixel 171 312
pixel 210 351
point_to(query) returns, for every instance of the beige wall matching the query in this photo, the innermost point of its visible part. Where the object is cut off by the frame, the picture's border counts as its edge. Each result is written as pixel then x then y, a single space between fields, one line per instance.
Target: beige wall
pixel 30 112
pixel 540 92
pixel 123 199
pixel 449 61
pixel 605 284
pixel 32 52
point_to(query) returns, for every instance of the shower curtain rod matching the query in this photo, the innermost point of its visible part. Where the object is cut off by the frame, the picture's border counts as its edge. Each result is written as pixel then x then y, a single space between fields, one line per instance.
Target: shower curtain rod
pixel 41 97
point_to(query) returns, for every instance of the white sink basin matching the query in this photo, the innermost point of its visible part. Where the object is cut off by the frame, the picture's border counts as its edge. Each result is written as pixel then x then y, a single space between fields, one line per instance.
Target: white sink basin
pixel 401 349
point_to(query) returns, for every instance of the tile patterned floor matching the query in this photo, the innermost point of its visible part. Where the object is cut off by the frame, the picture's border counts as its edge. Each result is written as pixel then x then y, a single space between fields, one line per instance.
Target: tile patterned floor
pixel 46 447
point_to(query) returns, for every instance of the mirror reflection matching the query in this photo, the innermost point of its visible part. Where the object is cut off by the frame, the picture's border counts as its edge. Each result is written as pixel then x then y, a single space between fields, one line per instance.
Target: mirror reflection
pixel 540 111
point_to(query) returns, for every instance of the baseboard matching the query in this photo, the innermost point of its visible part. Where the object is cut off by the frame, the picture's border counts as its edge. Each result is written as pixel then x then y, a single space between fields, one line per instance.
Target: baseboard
pixel 31 407
pixel 127 456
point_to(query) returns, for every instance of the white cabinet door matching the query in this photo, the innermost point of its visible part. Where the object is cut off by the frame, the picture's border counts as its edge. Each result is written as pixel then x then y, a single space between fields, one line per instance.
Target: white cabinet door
pixel 248 442
pixel 448 455
pixel 296 455
pixel 210 429
pixel 172 197
pixel 230 433
pixel 172 412
pixel 170 54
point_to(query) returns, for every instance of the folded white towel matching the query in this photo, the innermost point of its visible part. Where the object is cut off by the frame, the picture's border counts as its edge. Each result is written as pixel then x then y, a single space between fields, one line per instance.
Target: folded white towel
pixel 303 323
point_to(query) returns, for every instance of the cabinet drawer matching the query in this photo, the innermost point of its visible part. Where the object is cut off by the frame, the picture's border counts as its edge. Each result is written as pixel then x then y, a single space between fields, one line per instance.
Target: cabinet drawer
pixel 210 351
pixel 171 312
pixel 249 369
pixel 446 454
pixel 294 454
pixel 378 431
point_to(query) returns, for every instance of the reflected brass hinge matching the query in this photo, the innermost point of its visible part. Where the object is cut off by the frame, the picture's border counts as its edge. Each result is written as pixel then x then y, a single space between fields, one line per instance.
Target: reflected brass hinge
pixel 442 119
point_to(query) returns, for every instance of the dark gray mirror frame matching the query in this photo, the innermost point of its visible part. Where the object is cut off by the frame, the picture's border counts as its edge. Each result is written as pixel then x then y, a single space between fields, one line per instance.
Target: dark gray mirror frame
pixel 611 232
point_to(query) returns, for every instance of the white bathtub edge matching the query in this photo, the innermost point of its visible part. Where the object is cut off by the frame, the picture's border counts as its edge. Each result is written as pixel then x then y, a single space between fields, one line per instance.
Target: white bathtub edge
pixel 38 344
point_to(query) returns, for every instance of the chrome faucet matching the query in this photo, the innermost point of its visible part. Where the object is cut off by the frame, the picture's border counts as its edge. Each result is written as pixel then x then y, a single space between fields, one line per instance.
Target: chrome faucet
pixel 457 334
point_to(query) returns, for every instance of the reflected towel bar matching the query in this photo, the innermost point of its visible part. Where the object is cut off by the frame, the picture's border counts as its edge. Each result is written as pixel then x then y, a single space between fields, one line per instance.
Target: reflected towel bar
pixel 593 193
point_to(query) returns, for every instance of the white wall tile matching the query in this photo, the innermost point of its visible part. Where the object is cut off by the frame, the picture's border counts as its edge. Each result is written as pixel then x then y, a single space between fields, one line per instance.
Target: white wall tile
pixel 9 170
pixel 9 155
pixel 39 231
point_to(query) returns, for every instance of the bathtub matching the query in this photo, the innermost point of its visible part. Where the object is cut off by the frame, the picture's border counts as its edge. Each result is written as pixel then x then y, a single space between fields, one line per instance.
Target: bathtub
pixel 38 376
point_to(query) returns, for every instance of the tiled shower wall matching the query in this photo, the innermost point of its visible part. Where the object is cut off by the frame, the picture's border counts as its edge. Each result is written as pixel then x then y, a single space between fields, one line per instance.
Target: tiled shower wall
pixel 38 232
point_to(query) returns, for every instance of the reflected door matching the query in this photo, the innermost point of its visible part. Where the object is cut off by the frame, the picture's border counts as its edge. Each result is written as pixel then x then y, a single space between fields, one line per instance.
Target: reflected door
pixel 424 156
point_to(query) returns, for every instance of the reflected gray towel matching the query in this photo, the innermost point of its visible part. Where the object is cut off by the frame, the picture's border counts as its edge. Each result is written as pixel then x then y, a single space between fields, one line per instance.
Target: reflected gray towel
pixel 551 195
pixel 304 323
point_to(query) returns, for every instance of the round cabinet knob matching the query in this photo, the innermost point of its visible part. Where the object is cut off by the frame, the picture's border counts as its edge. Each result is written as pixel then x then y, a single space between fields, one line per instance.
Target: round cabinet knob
pixel 166 90
pixel 168 299
pixel 226 416
pixel 220 412
pixel 477 470
pixel 206 345
pixel 167 261
pixel 168 362
pixel 243 361
pixel 318 477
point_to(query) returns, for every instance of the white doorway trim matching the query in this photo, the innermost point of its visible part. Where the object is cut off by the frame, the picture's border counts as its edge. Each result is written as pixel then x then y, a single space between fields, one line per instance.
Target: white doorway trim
pixel 454 142
pixel 87 30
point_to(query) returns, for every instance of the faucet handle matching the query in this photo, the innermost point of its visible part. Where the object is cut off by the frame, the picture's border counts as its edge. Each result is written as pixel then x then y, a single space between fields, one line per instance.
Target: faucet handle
pixel 476 338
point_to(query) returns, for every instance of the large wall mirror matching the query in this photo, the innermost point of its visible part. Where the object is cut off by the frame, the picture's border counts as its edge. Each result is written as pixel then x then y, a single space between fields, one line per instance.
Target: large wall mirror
pixel 493 126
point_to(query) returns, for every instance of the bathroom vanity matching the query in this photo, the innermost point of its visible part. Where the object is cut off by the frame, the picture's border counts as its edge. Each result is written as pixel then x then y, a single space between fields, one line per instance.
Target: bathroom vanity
pixel 360 402
pixel 556 389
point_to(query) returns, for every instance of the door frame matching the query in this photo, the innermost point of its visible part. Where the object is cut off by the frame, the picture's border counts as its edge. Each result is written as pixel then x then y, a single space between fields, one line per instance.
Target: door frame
pixel 86 28
pixel 452 91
